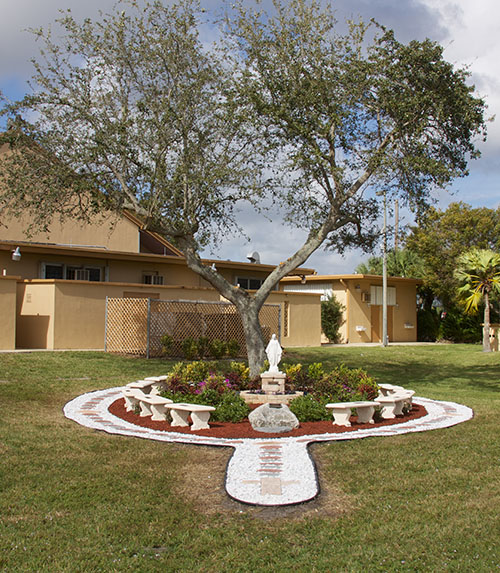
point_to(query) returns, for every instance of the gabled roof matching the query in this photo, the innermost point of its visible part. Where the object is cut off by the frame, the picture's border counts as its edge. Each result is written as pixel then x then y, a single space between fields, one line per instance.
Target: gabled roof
pixel 153 241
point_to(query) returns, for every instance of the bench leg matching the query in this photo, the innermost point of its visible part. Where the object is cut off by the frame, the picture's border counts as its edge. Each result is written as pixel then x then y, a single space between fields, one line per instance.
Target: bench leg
pixel 155 389
pixel 200 420
pixel 341 416
pixel 365 414
pixel 159 412
pixel 179 417
pixel 398 408
pixel 145 410
pixel 130 403
pixel 387 412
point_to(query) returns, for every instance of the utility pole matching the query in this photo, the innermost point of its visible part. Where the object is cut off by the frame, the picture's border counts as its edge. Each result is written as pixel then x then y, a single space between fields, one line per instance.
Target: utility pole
pixel 384 276
pixel 396 225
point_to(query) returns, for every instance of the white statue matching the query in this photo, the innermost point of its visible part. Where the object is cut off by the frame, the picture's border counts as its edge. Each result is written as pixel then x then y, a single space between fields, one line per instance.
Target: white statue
pixel 274 352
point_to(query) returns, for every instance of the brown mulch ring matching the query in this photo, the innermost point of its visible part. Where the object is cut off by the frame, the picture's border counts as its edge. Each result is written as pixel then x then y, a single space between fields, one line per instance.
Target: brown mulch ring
pixel 245 430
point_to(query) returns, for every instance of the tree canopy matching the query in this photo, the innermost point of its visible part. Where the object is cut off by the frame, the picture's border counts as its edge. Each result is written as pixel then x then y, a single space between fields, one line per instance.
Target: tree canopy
pixel 400 263
pixel 442 236
pixel 135 111
pixel 478 271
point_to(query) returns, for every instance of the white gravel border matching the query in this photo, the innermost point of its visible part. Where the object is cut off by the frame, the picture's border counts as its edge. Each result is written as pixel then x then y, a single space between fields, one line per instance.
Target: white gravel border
pixel 262 471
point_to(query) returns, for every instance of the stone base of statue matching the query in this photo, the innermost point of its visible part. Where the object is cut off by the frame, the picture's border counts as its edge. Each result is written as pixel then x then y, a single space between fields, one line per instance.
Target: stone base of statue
pixel 258 397
pixel 273 418
pixel 272 392
pixel 273 382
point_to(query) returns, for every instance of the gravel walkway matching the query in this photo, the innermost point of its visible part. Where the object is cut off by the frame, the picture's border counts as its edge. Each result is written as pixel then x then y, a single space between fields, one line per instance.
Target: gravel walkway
pixel 267 471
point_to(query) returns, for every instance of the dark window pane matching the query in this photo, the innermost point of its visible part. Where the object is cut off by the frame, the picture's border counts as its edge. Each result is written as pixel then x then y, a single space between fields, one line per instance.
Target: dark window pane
pixel 53 271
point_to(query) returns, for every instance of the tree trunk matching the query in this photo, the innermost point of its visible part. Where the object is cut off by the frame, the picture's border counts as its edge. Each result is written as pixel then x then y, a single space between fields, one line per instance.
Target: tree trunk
pixel 486 325
pixel 253 338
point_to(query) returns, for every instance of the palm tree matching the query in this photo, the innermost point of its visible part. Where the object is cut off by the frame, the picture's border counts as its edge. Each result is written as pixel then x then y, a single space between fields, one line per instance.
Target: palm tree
pixel 479 271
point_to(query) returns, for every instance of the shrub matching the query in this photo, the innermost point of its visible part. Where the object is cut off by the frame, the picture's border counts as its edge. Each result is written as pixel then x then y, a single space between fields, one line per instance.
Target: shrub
pixel 332 318
pixel 167 343
pixel 204 383
pixel 345 384
pixel 231 408
pixel 241 369
pixel 309 409
pixel 457 326
pixel 233 348
pixel 189 348
pixel 217 349
pixel 315 371
pixel 427 325
pixel 296 377
pixel 203 346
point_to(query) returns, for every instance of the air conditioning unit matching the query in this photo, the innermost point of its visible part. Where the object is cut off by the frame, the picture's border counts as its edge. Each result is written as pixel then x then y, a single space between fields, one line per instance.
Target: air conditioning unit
pixel 365 297
pixel 82 275
pixel 152 279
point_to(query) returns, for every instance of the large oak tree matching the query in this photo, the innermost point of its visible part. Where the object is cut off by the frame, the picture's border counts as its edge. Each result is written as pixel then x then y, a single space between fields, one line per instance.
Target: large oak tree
pixel 134 111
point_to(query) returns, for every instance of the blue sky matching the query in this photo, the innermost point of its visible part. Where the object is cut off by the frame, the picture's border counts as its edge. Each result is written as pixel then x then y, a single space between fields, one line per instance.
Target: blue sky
pixel 469 31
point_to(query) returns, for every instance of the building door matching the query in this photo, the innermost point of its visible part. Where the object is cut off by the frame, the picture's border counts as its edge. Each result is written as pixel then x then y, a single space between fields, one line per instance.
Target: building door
pixel 376 319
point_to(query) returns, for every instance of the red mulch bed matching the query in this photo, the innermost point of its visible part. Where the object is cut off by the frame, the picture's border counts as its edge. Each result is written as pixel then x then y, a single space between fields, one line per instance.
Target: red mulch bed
pixel 245 430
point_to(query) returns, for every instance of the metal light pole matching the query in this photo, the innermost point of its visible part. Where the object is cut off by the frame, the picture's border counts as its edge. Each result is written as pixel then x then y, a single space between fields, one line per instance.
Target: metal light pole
pixel 385 342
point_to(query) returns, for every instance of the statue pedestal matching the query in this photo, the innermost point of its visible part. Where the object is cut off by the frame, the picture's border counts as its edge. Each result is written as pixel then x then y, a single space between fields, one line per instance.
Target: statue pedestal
pixel 273 382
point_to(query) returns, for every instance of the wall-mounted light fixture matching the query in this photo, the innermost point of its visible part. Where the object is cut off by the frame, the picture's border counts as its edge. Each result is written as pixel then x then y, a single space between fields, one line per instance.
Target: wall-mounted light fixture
pixel 302 279
pixel 16 254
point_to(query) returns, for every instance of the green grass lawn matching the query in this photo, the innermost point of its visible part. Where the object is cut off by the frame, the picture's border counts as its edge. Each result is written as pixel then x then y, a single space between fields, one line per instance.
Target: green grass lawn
pixel 73 499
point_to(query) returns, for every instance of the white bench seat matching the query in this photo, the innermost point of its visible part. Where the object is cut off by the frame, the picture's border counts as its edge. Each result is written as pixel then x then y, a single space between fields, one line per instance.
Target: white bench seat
pixel 132 397
pixel 342 412
pixel 156 405
pixel 157 383
pixel 392 405
pixel 388 389
pixel 200 415
pixel 152 385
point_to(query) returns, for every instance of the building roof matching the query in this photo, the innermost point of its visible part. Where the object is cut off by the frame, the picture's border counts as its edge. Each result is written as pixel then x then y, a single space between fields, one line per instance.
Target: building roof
pixel 297 278
pixel 102 252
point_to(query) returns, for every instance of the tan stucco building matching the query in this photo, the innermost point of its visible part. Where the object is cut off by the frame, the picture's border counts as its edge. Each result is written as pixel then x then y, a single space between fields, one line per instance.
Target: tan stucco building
pixel 54 295
pixel 361 296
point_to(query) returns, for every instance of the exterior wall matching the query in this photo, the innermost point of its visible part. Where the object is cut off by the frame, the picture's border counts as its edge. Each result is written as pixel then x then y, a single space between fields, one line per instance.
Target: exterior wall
pixel 405 313
pixel 8 288
pixel 35 315
pixel 57 314
pixel 300 318
pixel 114 233
pixel 363 320
pixel 358 328
pixel 175 271
pixel 402 318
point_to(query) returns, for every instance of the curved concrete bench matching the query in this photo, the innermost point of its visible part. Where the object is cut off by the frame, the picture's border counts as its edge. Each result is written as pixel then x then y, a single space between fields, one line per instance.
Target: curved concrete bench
pixel 200 415
pixel 156 406
pixel 392 405
pixel 152 385
pixel 388 389
pixel 342 412
pixel 132 397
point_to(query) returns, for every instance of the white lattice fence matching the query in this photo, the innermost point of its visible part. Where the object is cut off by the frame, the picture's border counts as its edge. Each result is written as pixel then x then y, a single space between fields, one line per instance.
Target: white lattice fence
pixel 136 326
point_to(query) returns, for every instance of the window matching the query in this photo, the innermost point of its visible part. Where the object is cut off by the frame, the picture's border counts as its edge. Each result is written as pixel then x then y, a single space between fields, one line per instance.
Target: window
pixel 377 294
pixel 52 271
pixel 152 279
pixel 71 273
pixel 249 283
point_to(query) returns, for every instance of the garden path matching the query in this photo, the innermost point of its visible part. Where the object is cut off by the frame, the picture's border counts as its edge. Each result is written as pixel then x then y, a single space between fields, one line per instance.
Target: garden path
pixel 267 471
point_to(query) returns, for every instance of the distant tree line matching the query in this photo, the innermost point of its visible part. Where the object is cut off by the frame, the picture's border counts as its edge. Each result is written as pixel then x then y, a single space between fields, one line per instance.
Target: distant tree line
pixel 435 250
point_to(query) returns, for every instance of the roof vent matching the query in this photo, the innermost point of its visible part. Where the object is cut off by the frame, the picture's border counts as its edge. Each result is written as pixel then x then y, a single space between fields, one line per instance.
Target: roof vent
pixel 254 257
